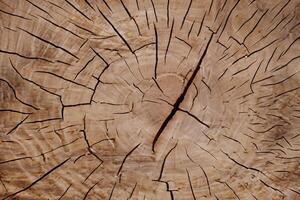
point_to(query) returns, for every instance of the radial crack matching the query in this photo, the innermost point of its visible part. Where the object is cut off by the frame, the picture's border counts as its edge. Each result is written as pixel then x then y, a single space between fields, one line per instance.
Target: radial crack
pixel 181 97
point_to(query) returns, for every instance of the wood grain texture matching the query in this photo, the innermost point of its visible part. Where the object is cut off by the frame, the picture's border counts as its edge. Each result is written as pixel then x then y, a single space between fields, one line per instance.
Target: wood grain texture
pixel 150 99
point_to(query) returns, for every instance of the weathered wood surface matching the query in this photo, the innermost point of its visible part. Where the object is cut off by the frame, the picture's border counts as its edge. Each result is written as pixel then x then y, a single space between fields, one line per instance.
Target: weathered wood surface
pixel 150 99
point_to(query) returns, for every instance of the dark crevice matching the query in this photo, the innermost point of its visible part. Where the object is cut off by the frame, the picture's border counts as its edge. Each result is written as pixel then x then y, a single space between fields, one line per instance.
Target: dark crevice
pixel 169 41
pixel 281 10
pixel 65 192
pixel 288 91
pixel 193 116
pixel 250 32
pixel 89 190
pixel 266 68
pixel 247 21
pixel 61 27
pixel 227 18
pixel 210 6
pixel 285 65
pixel 156 51
pixel 235 140
pixel 132 191
pixel 127 155
pixel 137 4
pixel 15 111
pixel 16 96
pixel 168 13
pixel 181 97
pixel 114 28
pixel 37 180
pixel 65 79
pixel 168 188
pixel 112 191
pixel 190 183
pixel 184 42
pixel 156 83
pixel 84 67
pixel 186 13
pixel 222 74
pixel 106 4
pixel 282 81
pixel 89 148
pixel 84 15
pixel 39 8
pixel 235 194
pixel 256 51
pixel 201 24
pixel 164 162
pixel 244 69
pixel 21 122
pixel 85 29
pixel 209 89
pixel 147 19
pixel 224 4
pixel 273 188
pixel 273 29
pixel 90 174
pixel 269 129
pixel 217 14
pixel 207 181
pixel 298 38
pixel 189 33
pixel 50 43
pixel 253 78
pixel 89 4
pixel 24 56
pixel 243 166
pixel 261 80
pixel 154 10
pixel 14 15
pixel 130 16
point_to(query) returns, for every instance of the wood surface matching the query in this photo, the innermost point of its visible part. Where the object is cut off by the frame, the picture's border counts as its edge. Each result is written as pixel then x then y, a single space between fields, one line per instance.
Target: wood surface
pixel 150 99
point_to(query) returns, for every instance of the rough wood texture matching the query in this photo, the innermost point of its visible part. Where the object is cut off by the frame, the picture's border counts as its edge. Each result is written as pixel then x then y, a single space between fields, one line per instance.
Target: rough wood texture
pixel 150 99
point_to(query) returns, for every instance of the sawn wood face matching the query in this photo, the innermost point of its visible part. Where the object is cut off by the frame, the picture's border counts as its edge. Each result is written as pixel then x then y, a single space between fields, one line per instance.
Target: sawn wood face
pixel 150 99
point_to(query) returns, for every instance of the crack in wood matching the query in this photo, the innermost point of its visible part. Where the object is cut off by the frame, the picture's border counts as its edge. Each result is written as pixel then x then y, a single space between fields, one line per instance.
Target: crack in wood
pixel 37 180
pixel 125 158
pixel 181 97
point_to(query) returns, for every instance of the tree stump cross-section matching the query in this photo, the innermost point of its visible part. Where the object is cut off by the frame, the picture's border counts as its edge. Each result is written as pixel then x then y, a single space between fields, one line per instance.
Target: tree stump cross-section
pixel 150 99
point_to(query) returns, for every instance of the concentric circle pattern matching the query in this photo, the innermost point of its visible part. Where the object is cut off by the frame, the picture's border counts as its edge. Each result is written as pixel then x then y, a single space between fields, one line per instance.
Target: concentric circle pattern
pixel 150 99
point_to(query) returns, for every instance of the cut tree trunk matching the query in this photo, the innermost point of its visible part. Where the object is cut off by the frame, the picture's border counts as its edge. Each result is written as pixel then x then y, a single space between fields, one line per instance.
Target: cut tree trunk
pixel 150 99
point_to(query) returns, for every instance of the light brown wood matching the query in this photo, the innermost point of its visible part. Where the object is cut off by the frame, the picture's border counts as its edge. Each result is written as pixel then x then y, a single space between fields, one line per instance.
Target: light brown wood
pixel 150 99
